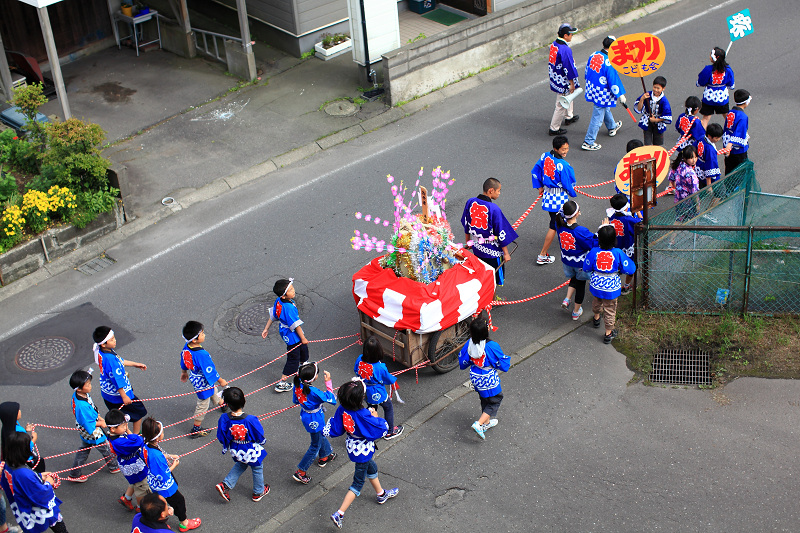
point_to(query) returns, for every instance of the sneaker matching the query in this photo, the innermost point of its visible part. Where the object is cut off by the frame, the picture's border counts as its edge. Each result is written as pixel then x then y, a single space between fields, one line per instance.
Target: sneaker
pixel 490 424
pixel 283 386
pixel 565 303
pixel 126 503
pixel 590 147
pixel 596 322
pixel 223 491
pixel 192 523
pixel 114 470
pixel 337 519
pixel 572 120
pixel 559 131
pixel 387 494
pixel 576 316
pixel 478 429
pixel 626 289
pixel 396 432
pixel 301 477
pixel 198 432
pixel 614 131
pixel 669 190
pixel 610 337
pixel 545 259
pixel 13 529
pixel 79 479
pixel 257 497
pixel 323 462
pixel 711 219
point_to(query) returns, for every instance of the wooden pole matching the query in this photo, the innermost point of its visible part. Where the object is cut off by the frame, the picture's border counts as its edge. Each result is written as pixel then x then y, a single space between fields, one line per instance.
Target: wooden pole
pixel 55 66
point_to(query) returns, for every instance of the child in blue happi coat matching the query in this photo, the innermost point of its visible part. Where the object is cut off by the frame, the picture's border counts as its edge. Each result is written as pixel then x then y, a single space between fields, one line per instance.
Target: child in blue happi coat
pixel 715 79
pixel 575 242
pixel 689 124
pixel 605 263
pixel 30 497
pixel 90 426
pixel 153 516
pixel 198 368
pixel 656 112
pixel 736 137
pixel 10 415
pixel 159 475
pixel 284 312
pixel 312 414
pixel 363 427
pixel 243 435
pixel 484 358
pixel 128 449
pixel 624 222
pixel 369 366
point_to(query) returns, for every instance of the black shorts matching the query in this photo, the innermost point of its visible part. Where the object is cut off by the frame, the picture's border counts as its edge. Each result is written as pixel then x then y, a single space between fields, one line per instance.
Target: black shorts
pixel 135 410
pixel 295 357
pixel 707 109
pixel 491 404
pixel 553 219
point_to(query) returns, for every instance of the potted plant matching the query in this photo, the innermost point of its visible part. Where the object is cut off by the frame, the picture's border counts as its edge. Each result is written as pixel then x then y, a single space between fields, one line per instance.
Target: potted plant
pixel 332 45
pixel 127 9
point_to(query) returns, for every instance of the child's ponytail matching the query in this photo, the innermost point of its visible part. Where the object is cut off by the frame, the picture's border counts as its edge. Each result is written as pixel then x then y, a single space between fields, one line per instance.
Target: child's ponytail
pixel 305 375
pixel 683 155
pixel 567 211
pixel 718 56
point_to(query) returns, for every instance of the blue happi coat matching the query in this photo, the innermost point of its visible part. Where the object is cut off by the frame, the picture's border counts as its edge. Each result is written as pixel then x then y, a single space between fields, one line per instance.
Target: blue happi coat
pixel 558 179
pixel 484 360
pixel 561 67
pixel 605 266
pixel 113 376
pixel 376 376
pixel 32 500
pixel 128 449
pixel 362 431
pixel 202 371
pixel 243 435
pixel 659 109
pixel 603 85
pixel 735 132
pixel 575 242
pixel 716 85
pixel 482 218
pixel 312 411
pixel 285 313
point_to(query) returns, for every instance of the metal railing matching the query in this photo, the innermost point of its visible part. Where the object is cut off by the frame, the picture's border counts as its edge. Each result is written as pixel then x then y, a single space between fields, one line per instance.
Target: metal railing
pixel 215 39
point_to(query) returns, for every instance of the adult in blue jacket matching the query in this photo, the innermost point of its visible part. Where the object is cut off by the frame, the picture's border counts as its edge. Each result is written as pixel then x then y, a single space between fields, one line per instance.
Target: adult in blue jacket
pixel 603 88
pixel 563 74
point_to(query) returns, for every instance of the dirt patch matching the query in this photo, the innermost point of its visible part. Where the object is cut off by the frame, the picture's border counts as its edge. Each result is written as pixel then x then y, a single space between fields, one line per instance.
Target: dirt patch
pixel 752 346
pixel 113 92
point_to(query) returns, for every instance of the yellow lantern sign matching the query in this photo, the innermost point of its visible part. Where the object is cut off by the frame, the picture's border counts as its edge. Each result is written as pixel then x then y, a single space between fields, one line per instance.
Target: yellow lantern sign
pixel 622 173
pixel 637 55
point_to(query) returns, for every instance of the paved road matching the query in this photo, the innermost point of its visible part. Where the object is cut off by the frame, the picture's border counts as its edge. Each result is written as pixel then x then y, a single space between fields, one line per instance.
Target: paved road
pixel 219 258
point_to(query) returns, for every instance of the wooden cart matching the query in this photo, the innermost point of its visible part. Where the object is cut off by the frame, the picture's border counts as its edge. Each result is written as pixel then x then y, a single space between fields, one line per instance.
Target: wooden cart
pixel 441 348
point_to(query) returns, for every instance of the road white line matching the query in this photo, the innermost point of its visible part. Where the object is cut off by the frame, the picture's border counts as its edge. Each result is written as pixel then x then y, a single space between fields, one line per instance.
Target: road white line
pixel 265 203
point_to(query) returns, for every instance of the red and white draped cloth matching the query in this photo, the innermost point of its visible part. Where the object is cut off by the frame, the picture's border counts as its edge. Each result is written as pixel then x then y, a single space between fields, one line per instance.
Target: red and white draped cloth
pixel 401 303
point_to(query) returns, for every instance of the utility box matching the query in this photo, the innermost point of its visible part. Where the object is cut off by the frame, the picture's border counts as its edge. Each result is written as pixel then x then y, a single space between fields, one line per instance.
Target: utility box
pixel 421 6
pixel 383 28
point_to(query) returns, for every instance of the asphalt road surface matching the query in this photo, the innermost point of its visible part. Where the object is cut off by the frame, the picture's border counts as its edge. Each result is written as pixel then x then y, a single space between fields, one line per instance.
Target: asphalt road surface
pixel 217 260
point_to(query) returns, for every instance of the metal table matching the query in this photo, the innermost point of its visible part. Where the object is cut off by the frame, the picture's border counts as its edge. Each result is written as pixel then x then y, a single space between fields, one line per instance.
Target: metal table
pixel 133 22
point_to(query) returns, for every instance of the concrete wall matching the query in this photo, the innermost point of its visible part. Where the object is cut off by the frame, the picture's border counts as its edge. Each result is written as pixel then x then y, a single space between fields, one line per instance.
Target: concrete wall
pixel 418 68
pixel 315 14
pixel 30 256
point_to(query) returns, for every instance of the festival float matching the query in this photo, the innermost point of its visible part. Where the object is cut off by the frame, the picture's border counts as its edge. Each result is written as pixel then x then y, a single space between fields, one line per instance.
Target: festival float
pixel 418 298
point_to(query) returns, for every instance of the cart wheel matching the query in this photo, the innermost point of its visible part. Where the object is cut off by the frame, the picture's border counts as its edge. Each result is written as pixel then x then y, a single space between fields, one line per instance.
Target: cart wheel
pixel 447 344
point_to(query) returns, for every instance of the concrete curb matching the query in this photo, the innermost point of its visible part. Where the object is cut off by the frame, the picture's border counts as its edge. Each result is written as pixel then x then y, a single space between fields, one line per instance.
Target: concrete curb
pixel 417 420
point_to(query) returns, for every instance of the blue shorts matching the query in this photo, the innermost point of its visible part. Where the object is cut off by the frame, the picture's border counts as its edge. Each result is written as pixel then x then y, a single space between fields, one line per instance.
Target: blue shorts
pixel 363 471
pixel 135 410
pixel 578 273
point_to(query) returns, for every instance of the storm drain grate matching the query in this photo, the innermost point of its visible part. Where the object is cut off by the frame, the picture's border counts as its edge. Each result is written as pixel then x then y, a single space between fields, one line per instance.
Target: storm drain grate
pixel 682 367
pixel 96 265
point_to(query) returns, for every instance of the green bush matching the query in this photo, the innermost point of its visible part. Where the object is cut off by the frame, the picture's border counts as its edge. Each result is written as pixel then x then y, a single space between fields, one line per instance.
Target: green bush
pixel 91 204
pixel 25 156
pixel 72 158
pixel 8 186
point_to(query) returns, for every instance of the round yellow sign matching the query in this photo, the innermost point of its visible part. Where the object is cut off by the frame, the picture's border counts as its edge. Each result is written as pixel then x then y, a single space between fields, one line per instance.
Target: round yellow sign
pixel 637 155
pixel 637 55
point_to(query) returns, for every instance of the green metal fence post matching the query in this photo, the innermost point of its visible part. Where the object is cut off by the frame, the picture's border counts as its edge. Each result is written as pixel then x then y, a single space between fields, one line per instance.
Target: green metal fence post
pixel 747 270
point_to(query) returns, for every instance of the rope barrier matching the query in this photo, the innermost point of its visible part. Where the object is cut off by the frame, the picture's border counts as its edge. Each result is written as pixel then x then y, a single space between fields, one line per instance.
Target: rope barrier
pixel 593 196
pixel 509 302
pixel 516 224
pixel 594 184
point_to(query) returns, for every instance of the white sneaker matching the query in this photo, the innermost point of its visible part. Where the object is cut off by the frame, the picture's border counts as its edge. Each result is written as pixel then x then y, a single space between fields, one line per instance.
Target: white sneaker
pixel 545 259
pixel 283 386
pixel 613 132
pixel 490 424
pixel 590 147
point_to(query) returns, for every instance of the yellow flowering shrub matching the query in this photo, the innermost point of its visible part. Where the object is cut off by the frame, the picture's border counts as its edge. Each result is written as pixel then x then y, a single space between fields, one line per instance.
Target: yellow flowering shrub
pixel 62 201
pixel 11 224
pixel 36 208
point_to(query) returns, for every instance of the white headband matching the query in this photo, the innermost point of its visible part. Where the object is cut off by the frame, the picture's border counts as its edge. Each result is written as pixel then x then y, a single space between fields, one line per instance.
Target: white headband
pixel 291 281
pixel 749 98
pixel 160 431
pixel 713 55
pixel 563 214
pixel 127 419
pixel 193 338
pixel 623 211
pixel 96 346
pixel 356 378
pixel 316 372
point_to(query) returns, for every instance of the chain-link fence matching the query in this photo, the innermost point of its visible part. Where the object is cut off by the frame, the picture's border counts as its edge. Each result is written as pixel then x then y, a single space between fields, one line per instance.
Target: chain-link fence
pixel 727 248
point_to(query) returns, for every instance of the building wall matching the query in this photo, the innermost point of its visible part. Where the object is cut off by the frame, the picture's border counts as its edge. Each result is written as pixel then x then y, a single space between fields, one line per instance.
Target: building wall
pixel 315 14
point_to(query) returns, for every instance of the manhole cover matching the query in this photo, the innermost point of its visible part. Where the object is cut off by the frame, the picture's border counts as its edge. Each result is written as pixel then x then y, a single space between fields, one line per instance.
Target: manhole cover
pixel 341 108
pixel 45 354
pixel 681 367
pixel 253 319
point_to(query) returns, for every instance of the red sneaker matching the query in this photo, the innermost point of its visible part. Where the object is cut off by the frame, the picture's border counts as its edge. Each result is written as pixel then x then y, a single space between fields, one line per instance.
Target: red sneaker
pixel 126 503
pixel 192 523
